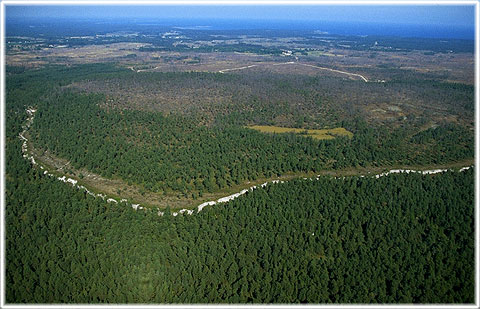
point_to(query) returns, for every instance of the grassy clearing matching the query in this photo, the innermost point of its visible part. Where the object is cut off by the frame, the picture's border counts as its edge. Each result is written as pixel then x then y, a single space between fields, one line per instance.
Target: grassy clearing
pixel 317 134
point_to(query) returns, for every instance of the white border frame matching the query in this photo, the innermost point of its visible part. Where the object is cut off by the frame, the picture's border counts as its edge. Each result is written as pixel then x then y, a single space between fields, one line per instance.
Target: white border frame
pixel 4 3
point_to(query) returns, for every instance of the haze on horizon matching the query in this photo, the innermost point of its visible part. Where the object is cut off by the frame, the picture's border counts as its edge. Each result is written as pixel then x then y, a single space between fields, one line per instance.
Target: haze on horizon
pixel 442 15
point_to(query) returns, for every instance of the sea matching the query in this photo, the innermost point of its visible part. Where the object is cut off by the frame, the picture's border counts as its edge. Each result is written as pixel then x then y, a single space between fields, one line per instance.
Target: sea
pixel 327 27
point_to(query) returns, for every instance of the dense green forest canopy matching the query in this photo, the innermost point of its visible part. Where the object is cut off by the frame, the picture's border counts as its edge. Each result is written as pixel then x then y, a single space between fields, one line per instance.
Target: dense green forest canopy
pixel 398 239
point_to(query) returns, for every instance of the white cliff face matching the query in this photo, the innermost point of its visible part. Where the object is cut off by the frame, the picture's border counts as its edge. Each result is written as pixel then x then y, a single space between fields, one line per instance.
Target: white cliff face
pixel 135 206
pixel 413 171
pixel 201 206
pixel 31 114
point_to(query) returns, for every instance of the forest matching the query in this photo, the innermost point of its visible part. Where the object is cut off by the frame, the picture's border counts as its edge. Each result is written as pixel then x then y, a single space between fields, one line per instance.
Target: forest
pixel 405 238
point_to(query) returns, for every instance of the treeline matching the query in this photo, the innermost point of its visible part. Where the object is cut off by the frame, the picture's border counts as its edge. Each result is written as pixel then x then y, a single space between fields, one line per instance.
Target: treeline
pixel 171 45
pixel 394 43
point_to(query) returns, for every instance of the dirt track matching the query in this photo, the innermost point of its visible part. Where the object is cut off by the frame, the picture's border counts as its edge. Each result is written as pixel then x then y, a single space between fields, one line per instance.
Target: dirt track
pixel 298 63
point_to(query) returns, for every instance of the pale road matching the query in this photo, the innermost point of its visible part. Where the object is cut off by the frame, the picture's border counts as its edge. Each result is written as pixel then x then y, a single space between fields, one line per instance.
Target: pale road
pixel 275 64
pixel 144 70
pixel 304 64
pixel 241 68
pixel 31 114
pixel 336 71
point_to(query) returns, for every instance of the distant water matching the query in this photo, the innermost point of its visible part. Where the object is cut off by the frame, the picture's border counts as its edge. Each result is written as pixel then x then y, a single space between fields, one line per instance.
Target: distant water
pixel 340 28
pixel 82 26
pixel 343 28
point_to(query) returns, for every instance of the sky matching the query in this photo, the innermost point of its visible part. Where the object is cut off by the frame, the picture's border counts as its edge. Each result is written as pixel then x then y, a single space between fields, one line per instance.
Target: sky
pixel 445 15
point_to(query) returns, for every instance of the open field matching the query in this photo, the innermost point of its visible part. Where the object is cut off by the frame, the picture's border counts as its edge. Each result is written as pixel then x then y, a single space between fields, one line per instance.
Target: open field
pixel 316 134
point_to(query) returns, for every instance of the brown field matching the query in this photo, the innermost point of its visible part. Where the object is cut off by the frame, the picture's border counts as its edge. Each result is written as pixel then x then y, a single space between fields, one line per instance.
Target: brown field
pixel 316 134
pixel 456 67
